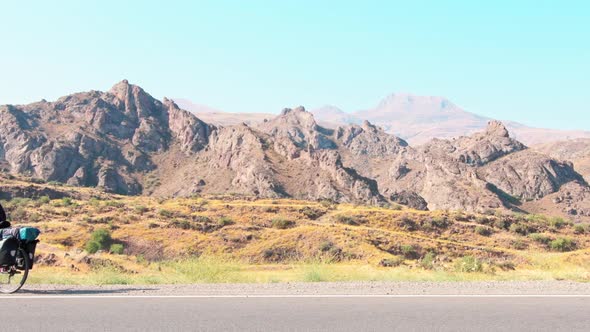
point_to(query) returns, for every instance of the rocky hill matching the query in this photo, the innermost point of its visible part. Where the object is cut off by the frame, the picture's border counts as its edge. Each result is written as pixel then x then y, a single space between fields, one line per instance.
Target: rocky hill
pixel 576 150
pixel 126 141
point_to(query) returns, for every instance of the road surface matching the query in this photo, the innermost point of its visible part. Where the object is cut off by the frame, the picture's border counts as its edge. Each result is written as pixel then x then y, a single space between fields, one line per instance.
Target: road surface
pixel 294 313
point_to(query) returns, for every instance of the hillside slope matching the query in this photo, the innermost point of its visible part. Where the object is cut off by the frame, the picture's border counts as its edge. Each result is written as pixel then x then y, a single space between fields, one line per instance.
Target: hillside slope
pixel 127 142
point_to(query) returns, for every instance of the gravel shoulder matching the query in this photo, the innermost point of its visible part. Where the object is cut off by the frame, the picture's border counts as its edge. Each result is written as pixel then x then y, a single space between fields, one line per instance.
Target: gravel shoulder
pixel 322 288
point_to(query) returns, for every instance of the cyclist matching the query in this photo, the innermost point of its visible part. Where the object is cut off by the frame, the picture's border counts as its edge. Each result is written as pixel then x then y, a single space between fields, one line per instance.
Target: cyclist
pixel 3 222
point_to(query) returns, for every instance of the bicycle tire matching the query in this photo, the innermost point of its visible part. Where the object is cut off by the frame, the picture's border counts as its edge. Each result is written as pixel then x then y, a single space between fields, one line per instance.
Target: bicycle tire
pixel 24 272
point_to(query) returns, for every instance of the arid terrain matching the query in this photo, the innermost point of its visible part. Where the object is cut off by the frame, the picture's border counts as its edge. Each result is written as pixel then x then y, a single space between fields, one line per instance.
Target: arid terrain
pixel 130 189
pixel 92 237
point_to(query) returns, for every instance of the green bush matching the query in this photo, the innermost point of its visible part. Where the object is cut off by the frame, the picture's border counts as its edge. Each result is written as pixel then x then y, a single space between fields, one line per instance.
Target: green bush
pixel 101 238
pixel 141 209
pixel 557 222
pixel 519 244
pixel 43 200
pixel 93 201
pixel 540 238
pixel 407 224
pixel 117 249
pixel 66 201
pixel 468 264
pixel 183 224
pixel 501 224
pixel 166 213
pixel 409 252
pixel 581 228
pixel 281 223
pixel 427 262
pixel 483 231
pixel 114 204
pixel 350 220
pixel 521 228
pixel 92 247
pixel 225 221
pixel 562 244
pixel 311 213
pixel 436 223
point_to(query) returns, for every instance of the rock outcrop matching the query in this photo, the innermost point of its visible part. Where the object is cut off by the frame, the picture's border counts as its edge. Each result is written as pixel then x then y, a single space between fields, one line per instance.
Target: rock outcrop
pixel 128 142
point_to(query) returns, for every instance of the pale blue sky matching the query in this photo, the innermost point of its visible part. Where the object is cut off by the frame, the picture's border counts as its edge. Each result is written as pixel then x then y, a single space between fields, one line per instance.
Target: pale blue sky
pixel 527 61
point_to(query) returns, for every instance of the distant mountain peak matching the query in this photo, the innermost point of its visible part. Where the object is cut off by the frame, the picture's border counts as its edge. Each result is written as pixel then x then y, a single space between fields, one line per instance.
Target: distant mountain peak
pixel 411 102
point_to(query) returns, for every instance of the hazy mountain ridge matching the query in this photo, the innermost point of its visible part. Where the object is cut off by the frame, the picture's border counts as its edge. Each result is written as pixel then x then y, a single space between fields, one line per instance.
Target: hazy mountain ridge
pixel 126 141
pixel 416 119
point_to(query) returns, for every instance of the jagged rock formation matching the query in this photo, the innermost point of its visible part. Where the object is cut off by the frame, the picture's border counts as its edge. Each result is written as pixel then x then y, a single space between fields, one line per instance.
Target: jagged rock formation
pixel 96 138
pixel 127 142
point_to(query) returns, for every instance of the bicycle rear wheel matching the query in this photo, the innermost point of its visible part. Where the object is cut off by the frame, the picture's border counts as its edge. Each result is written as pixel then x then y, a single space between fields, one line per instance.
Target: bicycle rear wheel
pixel 11 278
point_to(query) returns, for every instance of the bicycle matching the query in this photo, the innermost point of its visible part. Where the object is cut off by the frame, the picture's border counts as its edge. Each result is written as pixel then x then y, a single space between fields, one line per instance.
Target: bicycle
pixel 13 276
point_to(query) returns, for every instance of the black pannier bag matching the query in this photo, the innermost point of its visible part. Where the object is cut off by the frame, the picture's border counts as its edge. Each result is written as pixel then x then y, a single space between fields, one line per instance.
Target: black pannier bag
pixel 30 250
pixel 8 250
pixel 2 214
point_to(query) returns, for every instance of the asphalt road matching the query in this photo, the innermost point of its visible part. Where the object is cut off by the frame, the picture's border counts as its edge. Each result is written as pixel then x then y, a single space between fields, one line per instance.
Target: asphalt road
pixel 84 313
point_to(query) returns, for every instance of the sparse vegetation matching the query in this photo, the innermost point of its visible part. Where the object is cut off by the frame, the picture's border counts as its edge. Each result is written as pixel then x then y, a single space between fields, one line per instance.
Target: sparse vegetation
pixel 468 264
pixel 225 221
pixel 540 238
pixel 563 244
pixel 117 249
pixel 281 223
pixel 483 231
pixel 152 235
pixel 99 240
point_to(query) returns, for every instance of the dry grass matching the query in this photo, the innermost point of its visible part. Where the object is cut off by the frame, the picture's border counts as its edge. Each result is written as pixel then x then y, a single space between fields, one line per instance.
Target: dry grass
pixel 233 239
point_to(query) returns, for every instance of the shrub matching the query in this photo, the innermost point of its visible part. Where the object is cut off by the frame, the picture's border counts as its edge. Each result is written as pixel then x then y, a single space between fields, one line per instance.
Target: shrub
pixel 92 247
pixel 407 224
pixel 114 204
pixel 326 246
pixel 483 231
pixel 409 252
pixel 311 213
pixel 182 224
pixel 436 222
pixel 66 201
pixel 166 213
pixel 557 222
pixel 395 207
pixel 562 244
pixel 43 200
pixel 468 264
pixel 540 238
pixel 94 202
pixel 116 248
pixel 427 262
pixel 520 228
pixel 225 221
pixel 391 262
pixel 519 244
pixel 580 228
pixel 349 220
pixel 483 220
pixel 501 224
pixel 102 237
pixel 507 266
pixel 281 223
pixel 141 209
pixel 39 181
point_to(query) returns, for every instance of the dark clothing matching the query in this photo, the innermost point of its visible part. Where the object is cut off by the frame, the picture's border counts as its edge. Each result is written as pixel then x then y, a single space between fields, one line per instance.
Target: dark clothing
pixel 2 214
